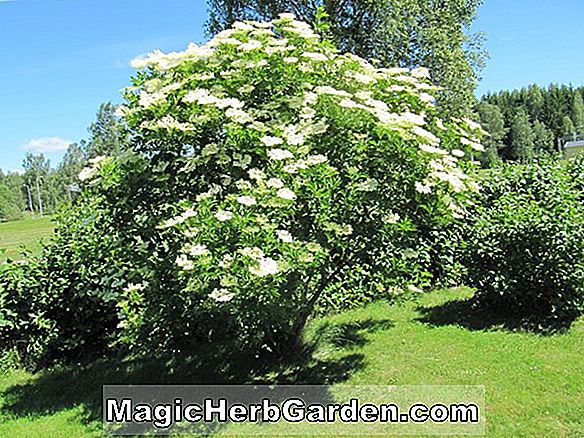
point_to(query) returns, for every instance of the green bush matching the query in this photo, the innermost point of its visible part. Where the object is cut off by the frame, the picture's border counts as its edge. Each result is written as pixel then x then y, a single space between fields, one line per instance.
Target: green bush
pixel 525 250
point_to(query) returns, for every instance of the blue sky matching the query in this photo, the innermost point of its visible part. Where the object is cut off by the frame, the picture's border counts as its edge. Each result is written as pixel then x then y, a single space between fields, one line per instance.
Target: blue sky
pixel 59 59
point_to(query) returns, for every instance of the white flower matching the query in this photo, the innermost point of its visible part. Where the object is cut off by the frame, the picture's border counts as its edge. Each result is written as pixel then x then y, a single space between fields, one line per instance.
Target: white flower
pixel 392 218
pixel 247 200
pixel 426 135
pixel 360 77
pixel 432 150
pixel 147 100
pixel 242 161
pixel 369 185
pixel 238 115
pixel 284 236
pixel 427 98
pixel 315 159
pixel 87 173
pixel 224 215
pixel 472 124
pixel 230 102
pixel 292 136
pixel 225 261
pixel 221 295
pixel 256 174
pixel 414 119
pixel 271 141
pixel 135 287
pixel 201 96
pixel 254 253
pixel 181 218
pixel 192 232
pixel 307 113
pixel 423 188
pixel 474 144
pixel 286 193
pixel 196 250
pixel 266 266
pixel 243 184
pixel 291 59
pixel 204 76
pixel 275 183
pixel 315 56
pixel 170 123
pixel 280 154
pixel 183 262
pixel 421 72
pixel 349 103
pixel 457 153
pixel 290 168
pixel 250 45
pixel 239 25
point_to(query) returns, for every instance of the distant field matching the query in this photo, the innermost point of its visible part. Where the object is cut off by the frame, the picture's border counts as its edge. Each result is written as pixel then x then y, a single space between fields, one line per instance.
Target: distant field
pixel 27 232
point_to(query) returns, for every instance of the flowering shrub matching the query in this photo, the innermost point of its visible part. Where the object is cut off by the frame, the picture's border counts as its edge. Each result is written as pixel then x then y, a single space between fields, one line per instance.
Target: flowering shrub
pixel 270 176
pixel 282 170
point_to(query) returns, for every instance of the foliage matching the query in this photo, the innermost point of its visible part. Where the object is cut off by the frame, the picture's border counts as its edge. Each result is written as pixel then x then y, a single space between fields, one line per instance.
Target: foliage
pixel 64 304
pixel 108 135
pixel 12 205
pixel 553 113
pixel 395 32
pixel 492 121
pixel 525 251
pixel 278 171
pixel 522 138
pixel 270 175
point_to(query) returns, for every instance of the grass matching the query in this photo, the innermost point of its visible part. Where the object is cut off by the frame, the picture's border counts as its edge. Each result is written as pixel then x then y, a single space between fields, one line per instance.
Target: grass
pixel 534 382
pixel 27 233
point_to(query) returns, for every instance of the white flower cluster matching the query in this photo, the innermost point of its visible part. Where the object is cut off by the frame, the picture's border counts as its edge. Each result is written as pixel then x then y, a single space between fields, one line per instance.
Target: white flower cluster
pixel 274 148
pixel 181 218
pixel 261 266
pixel 91 171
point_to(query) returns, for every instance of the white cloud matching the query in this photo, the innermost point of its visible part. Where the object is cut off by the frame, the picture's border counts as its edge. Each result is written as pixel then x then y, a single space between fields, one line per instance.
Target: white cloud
pixel 46 144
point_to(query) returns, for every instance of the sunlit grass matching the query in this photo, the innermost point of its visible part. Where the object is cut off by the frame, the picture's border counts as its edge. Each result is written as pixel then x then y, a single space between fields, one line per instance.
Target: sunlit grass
pixel 533 382
pixel 27 233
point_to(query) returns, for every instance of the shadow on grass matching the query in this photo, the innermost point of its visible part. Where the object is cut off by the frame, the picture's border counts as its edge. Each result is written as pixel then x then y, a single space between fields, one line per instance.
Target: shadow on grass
pixel 473 315
pixel 64 388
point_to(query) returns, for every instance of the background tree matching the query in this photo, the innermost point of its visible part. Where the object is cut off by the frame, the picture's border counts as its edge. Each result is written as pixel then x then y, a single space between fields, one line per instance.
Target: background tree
pixel 398 33
pixel 12 201
pixel 553 112
pixel 522 138
pixel 578 111
pixel 568 127
pixel 37 169
pixel 107 135
pixel 493 122
pixel 73 162
pixel 543 138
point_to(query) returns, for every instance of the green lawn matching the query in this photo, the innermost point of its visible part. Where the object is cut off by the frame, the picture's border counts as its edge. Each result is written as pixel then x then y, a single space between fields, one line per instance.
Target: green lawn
pixel 28 232
pixel 534 383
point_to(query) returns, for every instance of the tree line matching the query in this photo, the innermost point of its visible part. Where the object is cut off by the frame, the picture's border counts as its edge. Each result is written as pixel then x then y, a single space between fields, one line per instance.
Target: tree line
pixel 41 188
pixel 530 121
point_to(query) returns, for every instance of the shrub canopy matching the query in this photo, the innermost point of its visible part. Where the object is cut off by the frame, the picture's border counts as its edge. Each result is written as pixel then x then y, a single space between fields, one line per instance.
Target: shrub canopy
pixel 269 174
